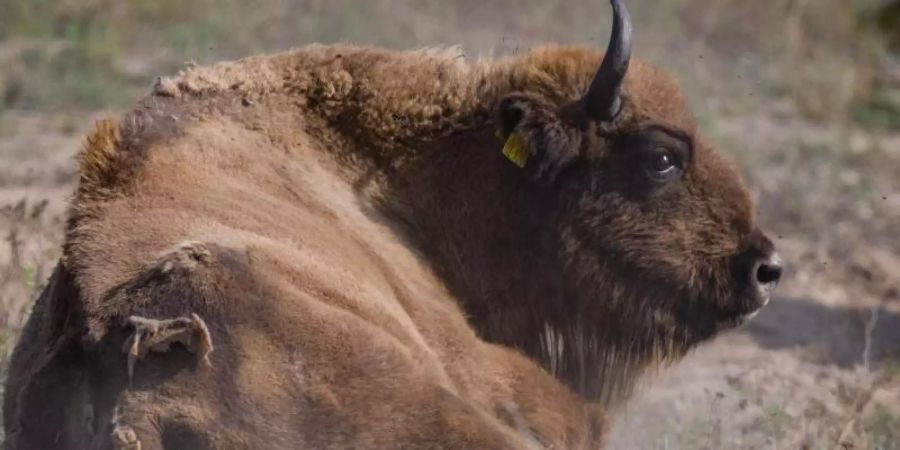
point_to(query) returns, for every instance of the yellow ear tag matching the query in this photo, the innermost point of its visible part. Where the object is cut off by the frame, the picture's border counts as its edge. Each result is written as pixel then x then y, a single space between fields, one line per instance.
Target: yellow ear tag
pixel 515 150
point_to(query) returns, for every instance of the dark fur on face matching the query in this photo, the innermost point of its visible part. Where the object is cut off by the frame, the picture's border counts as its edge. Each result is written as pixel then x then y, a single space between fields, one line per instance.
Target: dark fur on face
pixel 618 246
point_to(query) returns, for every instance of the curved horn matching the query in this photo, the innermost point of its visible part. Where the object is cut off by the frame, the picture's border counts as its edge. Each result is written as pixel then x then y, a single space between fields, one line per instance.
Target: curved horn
pixel 602 99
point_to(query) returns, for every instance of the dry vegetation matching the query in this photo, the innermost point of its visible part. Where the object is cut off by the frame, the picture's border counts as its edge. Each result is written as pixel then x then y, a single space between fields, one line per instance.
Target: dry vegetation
pixel 806 96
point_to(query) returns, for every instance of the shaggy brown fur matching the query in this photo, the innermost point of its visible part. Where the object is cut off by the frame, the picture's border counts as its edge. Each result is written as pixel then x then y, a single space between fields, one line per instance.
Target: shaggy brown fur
pixel 323 218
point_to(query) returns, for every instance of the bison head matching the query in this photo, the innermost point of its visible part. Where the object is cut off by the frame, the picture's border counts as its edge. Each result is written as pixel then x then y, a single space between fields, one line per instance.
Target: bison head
pixel 656 228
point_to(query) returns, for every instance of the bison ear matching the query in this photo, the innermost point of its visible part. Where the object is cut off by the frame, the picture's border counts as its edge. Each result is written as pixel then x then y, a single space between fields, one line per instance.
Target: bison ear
pixel 511 111
pixel 537 139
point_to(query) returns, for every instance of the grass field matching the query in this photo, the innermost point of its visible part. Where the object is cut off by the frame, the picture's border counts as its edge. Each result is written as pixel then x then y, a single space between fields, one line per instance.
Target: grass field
pixel 805 95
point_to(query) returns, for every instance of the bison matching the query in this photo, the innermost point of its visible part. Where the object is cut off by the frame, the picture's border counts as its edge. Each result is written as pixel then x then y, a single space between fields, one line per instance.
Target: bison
pixel 345 247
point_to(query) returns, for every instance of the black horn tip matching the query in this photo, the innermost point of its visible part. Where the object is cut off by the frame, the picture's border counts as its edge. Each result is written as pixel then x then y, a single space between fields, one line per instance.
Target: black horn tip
pixel 603 99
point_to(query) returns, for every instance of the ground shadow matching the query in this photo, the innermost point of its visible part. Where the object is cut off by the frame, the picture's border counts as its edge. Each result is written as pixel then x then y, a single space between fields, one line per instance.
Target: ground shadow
pixel 828 335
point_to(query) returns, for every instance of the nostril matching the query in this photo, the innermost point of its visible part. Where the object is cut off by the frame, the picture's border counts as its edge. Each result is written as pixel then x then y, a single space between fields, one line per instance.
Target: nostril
pixel 769 272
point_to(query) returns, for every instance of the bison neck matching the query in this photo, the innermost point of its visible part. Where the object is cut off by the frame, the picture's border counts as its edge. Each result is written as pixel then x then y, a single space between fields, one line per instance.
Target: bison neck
pixel 484 225
pixel 491 233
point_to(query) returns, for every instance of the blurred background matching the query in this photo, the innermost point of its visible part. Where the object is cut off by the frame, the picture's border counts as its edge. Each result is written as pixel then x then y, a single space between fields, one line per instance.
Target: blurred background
pixel 804 94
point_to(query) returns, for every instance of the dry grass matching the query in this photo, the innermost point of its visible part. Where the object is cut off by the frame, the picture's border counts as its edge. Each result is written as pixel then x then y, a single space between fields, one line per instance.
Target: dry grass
pixel 823 54
pixel 803 93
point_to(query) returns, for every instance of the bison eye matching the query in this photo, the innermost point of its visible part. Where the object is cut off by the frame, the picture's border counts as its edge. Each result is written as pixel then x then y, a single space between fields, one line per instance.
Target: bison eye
pixel 662 165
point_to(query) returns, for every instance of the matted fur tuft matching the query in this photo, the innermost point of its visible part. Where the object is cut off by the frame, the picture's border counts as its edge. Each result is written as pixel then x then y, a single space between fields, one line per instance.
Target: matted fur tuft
pixel 97 167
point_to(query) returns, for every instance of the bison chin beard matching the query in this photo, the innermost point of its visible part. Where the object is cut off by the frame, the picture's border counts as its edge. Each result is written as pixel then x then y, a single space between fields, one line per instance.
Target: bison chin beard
pixel 603 359
pixel 633 326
